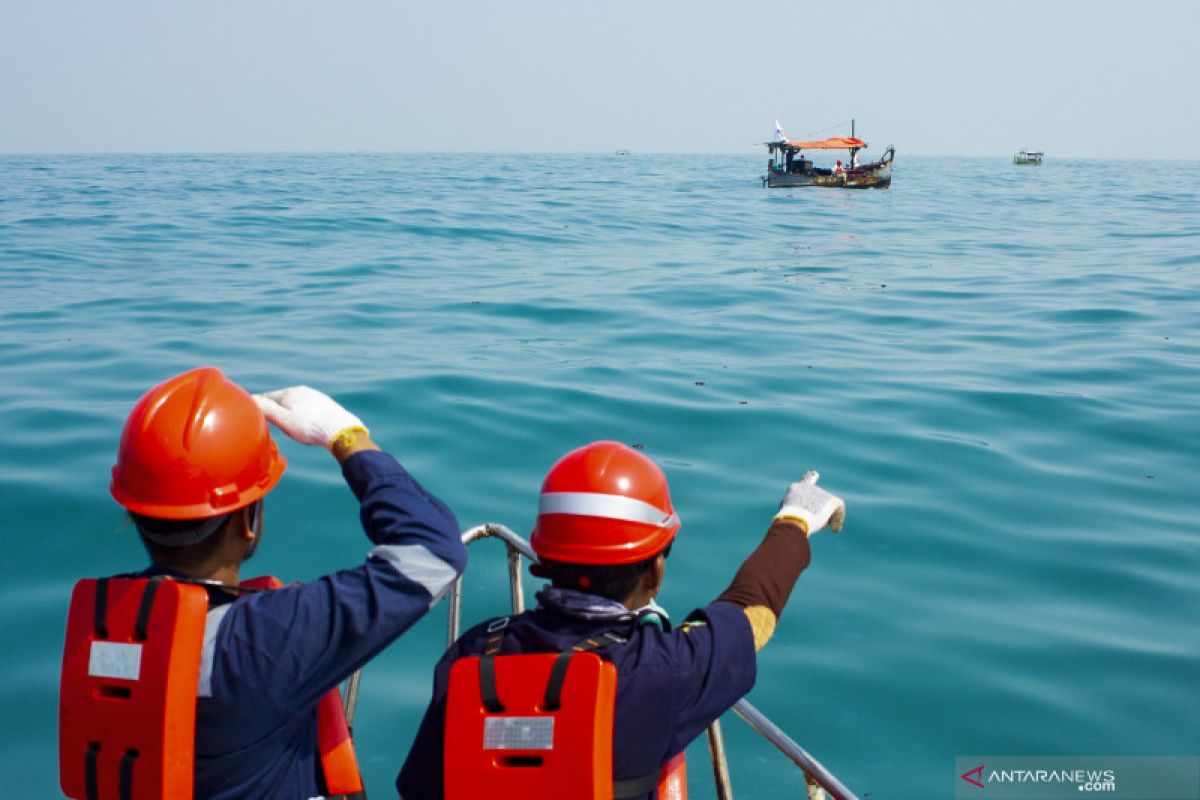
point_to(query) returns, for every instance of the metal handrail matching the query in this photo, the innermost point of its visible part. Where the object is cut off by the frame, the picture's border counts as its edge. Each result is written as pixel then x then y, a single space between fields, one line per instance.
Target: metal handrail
pixel 817 778
pixel 516 547
pixel 814 771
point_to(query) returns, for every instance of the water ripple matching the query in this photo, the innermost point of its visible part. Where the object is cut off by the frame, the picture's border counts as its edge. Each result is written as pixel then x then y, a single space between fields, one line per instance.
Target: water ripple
pixel 996 367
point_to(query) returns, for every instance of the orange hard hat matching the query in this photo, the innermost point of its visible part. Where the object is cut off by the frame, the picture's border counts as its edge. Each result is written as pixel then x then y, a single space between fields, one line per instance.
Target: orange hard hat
pixel 604 503
pixel 195 446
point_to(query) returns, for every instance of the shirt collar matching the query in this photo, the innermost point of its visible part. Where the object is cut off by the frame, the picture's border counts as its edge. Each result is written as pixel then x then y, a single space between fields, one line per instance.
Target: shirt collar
pixel 593 607
pixel 582 605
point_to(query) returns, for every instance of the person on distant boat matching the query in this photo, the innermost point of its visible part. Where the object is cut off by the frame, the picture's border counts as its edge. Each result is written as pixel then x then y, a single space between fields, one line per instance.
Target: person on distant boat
pixel 854 160
pixel 839 170
pixel 604 528
pixel 195 463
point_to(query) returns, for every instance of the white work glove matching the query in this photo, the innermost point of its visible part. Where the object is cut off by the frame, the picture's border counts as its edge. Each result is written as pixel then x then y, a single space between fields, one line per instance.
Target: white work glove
pixel 812 505
pixel 306 415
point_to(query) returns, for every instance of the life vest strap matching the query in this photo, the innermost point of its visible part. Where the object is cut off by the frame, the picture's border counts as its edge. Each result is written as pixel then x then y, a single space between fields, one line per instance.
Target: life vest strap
pixel 558 675
pixel 91 785
pixel 598 641
pixel 100 615
pixel 126 775
pixel 487 685
pixel 492 646
pixel 141 626
pixel 487 669
pixel 635 787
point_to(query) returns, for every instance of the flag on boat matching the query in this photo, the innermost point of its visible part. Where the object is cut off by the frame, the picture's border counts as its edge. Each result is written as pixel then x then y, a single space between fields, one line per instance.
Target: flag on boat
pixel 780 136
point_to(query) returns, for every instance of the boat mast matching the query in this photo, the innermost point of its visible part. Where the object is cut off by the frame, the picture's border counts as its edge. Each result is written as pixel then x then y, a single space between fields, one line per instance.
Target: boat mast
pixel 852 127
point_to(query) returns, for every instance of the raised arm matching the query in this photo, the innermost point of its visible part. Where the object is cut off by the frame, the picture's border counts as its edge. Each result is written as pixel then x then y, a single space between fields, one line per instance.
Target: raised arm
pixel 764 582
pixel 297 642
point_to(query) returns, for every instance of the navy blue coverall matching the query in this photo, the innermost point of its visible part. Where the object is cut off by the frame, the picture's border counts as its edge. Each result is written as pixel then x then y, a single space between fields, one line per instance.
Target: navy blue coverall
pixel 268 657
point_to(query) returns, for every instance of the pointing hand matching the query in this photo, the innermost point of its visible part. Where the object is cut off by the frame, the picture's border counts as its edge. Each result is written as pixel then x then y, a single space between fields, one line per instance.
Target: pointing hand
pixel 812 506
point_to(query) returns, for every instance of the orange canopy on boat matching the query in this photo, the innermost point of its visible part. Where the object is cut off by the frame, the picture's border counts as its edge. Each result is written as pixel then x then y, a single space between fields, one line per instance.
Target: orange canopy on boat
pixel 835 143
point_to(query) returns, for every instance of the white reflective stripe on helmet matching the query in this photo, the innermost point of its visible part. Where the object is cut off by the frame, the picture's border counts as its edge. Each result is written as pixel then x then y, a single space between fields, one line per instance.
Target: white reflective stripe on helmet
pixel 608 506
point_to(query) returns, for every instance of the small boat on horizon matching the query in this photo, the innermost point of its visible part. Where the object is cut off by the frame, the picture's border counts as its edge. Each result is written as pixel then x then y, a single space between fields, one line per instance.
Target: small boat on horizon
pixel 787 166
pixel 1031 157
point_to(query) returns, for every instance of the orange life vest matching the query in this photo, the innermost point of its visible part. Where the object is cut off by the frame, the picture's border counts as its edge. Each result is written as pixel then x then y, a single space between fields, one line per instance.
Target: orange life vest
pixel 539 726
pixel 127 698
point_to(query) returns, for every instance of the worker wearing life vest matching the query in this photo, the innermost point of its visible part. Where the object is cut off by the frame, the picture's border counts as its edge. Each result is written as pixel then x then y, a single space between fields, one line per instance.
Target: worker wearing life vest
pixel 604 528
pixel 195 462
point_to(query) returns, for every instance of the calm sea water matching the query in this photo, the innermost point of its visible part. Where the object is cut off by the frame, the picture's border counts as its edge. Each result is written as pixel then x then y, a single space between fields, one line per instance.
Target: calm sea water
pixel 997 367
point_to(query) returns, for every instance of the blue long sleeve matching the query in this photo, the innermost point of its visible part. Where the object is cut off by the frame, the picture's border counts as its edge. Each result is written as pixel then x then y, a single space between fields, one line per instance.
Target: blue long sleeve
pixel 274 654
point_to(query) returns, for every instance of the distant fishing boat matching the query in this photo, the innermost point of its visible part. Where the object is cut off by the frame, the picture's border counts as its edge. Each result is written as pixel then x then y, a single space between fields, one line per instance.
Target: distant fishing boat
pixel 622 151
pixel 787 165
pixel 1033 157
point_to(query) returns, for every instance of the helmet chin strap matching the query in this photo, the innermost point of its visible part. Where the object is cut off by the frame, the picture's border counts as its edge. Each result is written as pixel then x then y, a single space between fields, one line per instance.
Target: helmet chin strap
pixel 256 529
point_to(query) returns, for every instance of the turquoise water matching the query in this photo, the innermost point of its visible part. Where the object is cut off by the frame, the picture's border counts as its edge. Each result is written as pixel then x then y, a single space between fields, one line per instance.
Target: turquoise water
pixel 997 367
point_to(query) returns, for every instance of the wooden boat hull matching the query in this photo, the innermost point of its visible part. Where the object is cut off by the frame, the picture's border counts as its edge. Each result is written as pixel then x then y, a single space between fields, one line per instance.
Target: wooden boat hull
pixel 874 180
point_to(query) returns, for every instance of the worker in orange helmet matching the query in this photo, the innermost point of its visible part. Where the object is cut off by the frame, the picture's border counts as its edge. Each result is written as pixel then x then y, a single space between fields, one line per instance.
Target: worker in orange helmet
pixel 604 528
pixel 195 463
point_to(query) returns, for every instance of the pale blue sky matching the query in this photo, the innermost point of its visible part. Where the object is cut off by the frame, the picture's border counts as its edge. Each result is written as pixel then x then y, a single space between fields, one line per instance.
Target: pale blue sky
pixel 1092 79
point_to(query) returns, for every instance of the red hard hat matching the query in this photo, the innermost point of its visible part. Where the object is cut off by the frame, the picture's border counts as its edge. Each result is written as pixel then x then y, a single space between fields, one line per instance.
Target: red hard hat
pixel 604 503
pixel 195 446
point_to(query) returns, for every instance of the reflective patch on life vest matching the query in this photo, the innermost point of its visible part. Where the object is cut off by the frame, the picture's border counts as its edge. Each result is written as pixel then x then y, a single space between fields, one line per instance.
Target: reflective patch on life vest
pixel 518 733
pixel 115 660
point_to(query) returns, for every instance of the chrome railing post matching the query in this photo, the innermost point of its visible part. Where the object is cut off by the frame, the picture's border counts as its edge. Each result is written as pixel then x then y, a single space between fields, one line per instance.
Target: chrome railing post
pixel 452 619
pixel 515 586
pixel 516 547
pixel 350 701
pixel 720 765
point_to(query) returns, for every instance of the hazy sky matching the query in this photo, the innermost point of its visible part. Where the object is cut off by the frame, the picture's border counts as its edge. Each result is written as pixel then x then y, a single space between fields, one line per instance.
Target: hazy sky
pixel 1095 79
